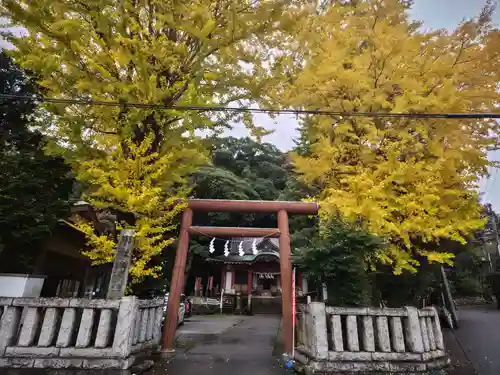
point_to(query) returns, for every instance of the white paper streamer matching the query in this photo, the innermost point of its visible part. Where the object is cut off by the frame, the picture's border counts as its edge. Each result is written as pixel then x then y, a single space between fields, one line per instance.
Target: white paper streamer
pixel 254 247
pixel 211 248
pixel 240 249
pixel 226 249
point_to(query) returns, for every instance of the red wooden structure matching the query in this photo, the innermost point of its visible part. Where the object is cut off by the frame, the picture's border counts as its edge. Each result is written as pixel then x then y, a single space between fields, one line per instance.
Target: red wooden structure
pixel 282 232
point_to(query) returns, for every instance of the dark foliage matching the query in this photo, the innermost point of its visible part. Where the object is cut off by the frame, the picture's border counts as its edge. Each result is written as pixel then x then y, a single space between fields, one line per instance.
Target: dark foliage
pixel 340 257
pixel 34 187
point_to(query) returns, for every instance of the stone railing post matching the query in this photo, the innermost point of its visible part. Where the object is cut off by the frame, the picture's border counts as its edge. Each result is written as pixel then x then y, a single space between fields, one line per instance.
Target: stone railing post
pixel 125 324
pixel 413 331
pixel 317 330
pixel 434 329
pixel 9 324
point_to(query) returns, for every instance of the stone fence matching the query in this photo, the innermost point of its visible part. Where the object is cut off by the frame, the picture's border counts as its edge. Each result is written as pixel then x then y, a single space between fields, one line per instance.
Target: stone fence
pixel 368 340
pixel 77 333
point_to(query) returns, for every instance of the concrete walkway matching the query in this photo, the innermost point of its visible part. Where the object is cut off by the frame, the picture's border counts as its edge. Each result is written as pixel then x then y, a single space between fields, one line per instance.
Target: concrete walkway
pixel 224 346
pixel 479 337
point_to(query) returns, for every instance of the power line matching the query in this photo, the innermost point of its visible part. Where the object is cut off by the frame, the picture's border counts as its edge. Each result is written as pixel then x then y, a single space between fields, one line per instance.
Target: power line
pixel 324 112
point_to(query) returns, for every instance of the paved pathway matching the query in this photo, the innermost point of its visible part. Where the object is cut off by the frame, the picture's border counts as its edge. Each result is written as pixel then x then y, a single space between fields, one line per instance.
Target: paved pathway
pixel 225 346
pixel 479 337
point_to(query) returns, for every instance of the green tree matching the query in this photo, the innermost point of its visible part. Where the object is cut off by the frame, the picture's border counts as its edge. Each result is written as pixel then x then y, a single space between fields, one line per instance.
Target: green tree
pixel 340 256
pixel 242 169
pixel 160 51
pixel 34 187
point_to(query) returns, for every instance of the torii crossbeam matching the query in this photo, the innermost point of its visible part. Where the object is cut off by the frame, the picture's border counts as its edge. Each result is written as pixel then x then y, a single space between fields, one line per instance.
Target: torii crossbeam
pixel 282 209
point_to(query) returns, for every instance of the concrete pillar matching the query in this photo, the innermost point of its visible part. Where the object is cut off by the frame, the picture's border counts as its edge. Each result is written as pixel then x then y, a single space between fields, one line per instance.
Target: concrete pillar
pixel 121 264
pixel 425 335
pixel 352 333
pixel 136 332
pixel 430 333
pixel 413 332
pixel 151 323
pixel 383 339
pixel 438 334
pixel 398 339
pixel 177 282
pixel 317 330
pixel 85 330
pixel 103 329
pixel 337 340
pixel 144 325
pixel 157 325
pixel 286 280
pixel 49 326
pixel 122 340
pixel 9 324
pixel 67 327
pixel 30 326
pixel 368 334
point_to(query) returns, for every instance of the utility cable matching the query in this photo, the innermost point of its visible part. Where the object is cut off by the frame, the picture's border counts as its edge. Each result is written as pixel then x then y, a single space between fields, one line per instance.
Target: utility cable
pixel 324 112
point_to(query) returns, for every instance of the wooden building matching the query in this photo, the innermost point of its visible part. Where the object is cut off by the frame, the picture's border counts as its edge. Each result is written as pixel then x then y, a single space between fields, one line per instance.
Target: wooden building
pixel 57 263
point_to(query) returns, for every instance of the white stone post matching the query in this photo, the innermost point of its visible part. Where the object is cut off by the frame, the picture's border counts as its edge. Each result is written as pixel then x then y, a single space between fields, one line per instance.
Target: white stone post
pixel 85 331
pixel 430 333
pixel 318 330
pixel 103 329
pixel 352 333
pixel 124 332
pixel 368 334
pixel 49 325
pixel 337 339
pixel 144 325
pixel 438 334
pixel 151 322
pixel 398 338
pixel 383 339
pixel 157 325
pixel 9 324
pixel 30 326
pixel 67 326
pixel 425 336
pixel 413 332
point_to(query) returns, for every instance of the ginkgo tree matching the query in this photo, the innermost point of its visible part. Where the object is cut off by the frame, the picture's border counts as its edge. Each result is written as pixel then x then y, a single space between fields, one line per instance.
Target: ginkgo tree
pixel 168 52
pixel 412 180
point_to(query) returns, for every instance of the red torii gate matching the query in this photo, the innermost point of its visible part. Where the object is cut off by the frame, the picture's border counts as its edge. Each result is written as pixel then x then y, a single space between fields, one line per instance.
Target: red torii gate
pixel 282 232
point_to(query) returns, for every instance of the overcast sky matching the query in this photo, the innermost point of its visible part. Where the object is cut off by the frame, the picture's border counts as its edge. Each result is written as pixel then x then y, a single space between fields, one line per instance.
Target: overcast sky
pixel 435 14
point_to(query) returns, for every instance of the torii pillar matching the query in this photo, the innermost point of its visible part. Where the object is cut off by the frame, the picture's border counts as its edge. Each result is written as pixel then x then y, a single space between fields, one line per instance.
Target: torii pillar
pixel 282 209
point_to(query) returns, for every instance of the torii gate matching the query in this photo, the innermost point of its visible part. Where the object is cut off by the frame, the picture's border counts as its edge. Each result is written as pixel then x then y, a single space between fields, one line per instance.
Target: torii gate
pixel 282 232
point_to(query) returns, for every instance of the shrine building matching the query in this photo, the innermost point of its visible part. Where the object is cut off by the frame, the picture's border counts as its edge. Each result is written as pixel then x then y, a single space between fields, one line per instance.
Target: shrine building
pixel 247 276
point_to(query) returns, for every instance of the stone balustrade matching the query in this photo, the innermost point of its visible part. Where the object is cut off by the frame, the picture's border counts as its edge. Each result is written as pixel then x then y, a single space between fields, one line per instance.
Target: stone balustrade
pixel 77 333
pixel 379 340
